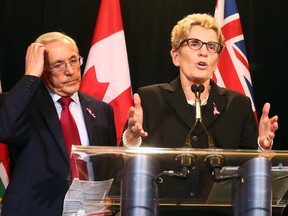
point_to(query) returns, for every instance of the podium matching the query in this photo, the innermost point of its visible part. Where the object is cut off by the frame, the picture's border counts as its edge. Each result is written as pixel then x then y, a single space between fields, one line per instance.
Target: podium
pixel 159 181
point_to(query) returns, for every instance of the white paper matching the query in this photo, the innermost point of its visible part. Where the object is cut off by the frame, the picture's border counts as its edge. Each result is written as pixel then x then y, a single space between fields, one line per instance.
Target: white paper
pixel 86 196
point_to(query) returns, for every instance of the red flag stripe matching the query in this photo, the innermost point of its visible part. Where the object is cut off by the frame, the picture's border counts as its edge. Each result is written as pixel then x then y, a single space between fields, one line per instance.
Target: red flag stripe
pixel 108 25
pixel 232 29
pixel 229 73
pixel 241 58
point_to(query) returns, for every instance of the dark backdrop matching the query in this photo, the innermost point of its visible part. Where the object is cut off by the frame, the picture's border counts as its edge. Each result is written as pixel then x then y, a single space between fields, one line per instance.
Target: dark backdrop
pixel 147 26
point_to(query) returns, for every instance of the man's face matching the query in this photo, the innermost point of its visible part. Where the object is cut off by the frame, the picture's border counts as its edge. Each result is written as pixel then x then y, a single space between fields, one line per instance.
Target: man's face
pixel 62 73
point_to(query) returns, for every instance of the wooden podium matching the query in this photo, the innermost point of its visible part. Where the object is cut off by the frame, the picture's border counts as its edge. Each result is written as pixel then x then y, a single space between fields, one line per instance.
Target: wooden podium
pixel 159 181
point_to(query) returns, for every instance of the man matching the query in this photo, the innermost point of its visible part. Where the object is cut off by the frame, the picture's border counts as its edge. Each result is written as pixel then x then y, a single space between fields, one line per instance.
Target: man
pixel 41 174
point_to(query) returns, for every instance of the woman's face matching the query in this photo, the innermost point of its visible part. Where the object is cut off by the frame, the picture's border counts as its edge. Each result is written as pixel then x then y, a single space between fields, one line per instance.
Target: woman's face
pixel 196 66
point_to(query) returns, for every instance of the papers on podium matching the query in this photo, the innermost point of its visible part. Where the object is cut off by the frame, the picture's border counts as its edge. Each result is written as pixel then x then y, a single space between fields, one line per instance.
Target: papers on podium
pixel 86 196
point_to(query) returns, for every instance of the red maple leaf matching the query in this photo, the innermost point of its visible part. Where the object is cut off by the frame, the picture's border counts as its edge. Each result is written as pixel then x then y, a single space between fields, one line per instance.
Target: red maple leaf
pixel 91 85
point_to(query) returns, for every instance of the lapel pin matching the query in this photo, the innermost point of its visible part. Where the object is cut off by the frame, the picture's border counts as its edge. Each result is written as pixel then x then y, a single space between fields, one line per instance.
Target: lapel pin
pixel 90 112
pixel 215 110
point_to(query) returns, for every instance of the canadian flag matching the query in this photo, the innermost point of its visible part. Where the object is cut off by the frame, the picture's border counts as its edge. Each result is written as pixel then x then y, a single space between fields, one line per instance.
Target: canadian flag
pixel 106 75
pixel 233 67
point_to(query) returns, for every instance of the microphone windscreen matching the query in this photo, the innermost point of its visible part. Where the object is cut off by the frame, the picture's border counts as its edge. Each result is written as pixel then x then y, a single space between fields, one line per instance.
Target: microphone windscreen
pixel 194 88
pixel 201 88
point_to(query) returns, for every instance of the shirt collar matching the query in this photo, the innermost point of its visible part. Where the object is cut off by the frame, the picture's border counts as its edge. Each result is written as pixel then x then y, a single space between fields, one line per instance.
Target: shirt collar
pixel 56 97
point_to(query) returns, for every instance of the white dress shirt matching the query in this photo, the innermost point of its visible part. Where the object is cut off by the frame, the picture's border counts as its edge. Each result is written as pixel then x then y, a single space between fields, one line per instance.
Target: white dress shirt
pixel 77 113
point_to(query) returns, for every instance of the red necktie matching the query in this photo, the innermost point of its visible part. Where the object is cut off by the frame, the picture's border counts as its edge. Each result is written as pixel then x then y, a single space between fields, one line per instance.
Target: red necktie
pixel 71 136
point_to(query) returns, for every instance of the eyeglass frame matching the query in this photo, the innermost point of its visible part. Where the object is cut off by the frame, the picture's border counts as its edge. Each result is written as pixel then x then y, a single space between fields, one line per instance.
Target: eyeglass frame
pixel 79 58
pixel 206 43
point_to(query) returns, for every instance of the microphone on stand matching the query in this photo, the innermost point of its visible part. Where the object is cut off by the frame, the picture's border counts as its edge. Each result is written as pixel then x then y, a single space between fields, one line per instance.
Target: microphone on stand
pixel 197 90
pixel 214 161
pixel 186 161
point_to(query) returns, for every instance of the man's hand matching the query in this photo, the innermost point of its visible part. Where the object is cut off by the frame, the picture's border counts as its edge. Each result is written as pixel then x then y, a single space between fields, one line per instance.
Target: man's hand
pixel 34 61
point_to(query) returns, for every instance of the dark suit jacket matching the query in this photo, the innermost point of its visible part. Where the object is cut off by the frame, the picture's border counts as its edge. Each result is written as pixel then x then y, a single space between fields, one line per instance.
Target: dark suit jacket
pixel 168 118
pixel 41 175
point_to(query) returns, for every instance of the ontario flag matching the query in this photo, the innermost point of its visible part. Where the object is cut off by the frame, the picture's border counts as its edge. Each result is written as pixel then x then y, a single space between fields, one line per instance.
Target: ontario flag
pixel 4 166
pixel 4 169
pixel 233 67
pixel 106 75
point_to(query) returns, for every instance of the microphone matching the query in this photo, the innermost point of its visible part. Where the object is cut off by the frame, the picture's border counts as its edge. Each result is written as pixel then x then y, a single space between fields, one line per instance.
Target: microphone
pixel 186 161
pixel 214 161
pixel 197 90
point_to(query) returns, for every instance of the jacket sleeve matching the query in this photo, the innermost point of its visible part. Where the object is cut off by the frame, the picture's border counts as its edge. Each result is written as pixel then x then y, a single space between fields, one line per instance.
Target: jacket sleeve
pixel 14 106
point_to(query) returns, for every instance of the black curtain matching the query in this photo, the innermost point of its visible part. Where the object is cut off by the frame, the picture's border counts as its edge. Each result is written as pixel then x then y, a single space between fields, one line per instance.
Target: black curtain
pixel 147 26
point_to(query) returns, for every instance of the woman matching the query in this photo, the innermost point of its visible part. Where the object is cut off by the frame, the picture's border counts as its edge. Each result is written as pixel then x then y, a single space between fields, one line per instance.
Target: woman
pixel 167 111
pixel 163 114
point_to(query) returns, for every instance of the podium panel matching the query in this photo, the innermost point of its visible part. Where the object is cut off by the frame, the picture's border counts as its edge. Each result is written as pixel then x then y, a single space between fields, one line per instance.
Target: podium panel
pixel 159 181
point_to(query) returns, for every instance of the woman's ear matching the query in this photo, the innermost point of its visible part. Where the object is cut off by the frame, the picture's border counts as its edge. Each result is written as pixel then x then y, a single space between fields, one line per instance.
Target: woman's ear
pixel 175 57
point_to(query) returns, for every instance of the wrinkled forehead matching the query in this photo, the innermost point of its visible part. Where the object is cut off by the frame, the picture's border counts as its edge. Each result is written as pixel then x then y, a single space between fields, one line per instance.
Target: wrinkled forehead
pixel 60 50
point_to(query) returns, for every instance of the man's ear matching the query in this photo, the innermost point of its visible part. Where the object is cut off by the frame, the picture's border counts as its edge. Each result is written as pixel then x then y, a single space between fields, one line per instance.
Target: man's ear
pixel 175 57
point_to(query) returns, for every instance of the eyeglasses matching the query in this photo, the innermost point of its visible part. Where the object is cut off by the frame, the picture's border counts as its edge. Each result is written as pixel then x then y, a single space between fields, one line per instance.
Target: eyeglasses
pixel 60 66
pixel 196 44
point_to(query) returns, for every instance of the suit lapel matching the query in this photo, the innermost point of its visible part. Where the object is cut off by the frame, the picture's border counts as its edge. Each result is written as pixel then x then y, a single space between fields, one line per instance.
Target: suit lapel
pixel 177 100
pixel 47 109
pixel 89 113
pixel 216 104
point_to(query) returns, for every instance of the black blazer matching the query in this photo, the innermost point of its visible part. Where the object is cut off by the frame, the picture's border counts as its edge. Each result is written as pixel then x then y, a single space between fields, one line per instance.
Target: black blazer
pixel 168 118
pixel 40 166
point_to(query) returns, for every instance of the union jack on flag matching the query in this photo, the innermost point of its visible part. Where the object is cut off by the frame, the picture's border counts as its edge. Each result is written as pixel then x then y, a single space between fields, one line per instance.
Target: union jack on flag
pixel 233 67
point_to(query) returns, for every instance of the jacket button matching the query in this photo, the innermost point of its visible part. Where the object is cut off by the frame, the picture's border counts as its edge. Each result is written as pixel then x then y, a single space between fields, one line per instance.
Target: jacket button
pixel 195 139
pixel 68 177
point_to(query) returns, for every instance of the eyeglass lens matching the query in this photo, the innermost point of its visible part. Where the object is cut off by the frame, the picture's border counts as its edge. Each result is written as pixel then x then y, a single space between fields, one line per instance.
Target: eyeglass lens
pixel 74 62
pixel 196 44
